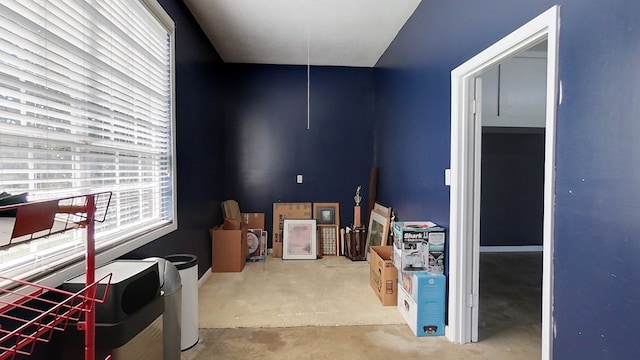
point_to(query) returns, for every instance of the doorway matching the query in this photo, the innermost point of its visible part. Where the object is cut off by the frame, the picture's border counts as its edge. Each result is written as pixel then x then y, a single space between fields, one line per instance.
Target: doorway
pixel 466 130
pixel 511 198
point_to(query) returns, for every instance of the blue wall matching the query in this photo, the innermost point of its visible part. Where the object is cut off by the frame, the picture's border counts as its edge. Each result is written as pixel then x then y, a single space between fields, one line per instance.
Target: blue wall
pixel 596 306
pixel 596 266
pixel 200 142
pixel 512 191
pixel 268 143
pixel 242 134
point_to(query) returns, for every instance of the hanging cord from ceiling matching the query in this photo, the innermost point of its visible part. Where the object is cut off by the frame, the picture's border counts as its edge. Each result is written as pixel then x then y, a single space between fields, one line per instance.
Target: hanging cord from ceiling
pixel 308 71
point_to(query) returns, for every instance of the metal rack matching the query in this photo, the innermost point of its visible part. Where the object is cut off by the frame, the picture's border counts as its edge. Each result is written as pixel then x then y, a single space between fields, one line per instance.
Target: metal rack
pixel 34 310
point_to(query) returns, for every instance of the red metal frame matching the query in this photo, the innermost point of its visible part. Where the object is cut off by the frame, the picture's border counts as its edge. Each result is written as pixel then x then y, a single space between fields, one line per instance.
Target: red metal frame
pixel 39 217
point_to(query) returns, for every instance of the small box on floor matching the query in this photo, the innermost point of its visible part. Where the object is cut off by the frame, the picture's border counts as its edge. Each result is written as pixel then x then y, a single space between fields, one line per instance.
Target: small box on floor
pixel 383 275
pixel 421 301
pixel 229 249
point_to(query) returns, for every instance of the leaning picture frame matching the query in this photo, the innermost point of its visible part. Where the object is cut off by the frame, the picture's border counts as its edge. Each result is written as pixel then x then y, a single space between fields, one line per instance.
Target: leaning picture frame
pixel 327 213
pixel 377 232
pixel 299 239
pixel 382 209
pixel 329 239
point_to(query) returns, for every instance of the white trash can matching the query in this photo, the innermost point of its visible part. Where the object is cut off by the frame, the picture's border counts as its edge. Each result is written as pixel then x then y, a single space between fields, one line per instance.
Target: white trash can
pixel 187 266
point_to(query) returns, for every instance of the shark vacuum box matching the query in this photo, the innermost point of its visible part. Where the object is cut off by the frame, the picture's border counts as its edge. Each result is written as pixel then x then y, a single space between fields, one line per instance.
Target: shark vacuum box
pixel 418 246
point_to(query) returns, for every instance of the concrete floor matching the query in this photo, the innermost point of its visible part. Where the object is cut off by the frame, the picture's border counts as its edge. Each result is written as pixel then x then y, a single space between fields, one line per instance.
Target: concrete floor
pixel 510 314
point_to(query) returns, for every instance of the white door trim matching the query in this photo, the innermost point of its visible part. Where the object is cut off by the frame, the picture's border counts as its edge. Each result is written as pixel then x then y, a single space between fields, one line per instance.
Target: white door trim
pixel 476 164
pixel 545 26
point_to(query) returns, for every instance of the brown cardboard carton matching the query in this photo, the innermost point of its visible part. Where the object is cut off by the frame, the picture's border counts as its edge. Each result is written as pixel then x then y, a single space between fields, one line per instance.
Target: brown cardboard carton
pixel 283 211
pixel 229 250
pixel 383 275
pixel 253 220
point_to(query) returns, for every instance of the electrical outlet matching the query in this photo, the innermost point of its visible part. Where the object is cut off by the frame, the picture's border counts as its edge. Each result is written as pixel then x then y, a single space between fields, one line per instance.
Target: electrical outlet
pixel 299 179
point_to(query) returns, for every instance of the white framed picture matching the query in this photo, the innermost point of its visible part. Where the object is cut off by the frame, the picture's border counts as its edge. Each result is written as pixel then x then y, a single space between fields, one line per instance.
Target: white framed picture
pixel 299 239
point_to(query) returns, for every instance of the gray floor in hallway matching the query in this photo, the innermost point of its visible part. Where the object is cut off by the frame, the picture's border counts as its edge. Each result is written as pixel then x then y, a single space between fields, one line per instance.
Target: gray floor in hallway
pixel 510 313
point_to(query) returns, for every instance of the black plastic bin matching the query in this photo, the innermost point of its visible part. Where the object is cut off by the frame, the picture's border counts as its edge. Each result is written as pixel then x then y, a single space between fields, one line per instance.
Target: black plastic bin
pixel 129 320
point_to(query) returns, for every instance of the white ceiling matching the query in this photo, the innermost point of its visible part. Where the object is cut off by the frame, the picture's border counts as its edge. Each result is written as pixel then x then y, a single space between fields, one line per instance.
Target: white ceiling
pixel 336 32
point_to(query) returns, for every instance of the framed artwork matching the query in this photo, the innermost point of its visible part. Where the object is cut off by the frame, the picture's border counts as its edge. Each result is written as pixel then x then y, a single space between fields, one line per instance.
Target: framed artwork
pixel 329 239
pixel 381 209
pixel 299 239
pixel 327 213
pixel 377 232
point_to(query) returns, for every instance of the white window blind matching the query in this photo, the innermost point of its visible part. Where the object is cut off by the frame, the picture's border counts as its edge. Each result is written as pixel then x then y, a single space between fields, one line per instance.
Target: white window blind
pixel 86 105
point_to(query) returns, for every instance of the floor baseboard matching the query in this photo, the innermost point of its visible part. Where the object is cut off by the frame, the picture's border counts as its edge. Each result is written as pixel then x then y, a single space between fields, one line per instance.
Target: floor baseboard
pixel 204 277
pixel 516 248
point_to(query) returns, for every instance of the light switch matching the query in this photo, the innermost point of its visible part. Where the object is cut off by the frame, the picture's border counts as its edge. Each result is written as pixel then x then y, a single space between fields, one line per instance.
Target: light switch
pixel 447 177
pixel 299 179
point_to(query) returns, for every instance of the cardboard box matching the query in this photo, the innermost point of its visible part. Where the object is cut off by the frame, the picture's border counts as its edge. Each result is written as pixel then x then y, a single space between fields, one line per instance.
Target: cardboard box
pixel 253 220
pixel 436 257
pixel 383 276
pixel 410 255
pixel 283 211
pixel 421 301
pixel 229 250
pixel 419 246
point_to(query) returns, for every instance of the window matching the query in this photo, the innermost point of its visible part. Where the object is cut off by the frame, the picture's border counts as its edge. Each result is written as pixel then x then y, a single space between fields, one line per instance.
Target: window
pixel 87 105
